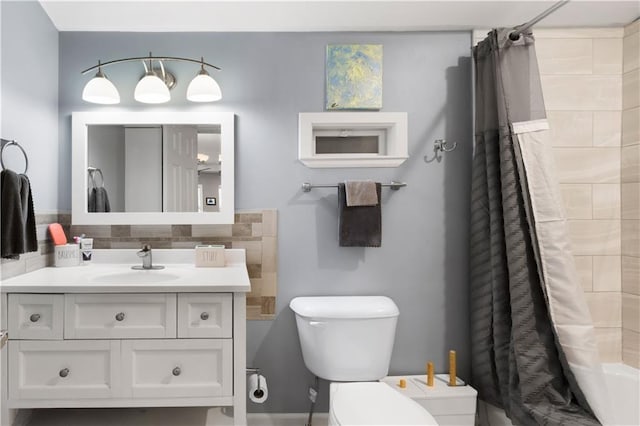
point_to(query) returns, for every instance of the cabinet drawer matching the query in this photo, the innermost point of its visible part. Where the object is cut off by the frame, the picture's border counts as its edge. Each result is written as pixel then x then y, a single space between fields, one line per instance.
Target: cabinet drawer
pixel 64 369
pixel 205 315
pixel 114 316
pixel 36 316
pixel 177 368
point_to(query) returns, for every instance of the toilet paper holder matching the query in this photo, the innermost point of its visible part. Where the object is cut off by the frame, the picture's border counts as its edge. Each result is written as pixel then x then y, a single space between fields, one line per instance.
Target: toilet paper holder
pixel 259 392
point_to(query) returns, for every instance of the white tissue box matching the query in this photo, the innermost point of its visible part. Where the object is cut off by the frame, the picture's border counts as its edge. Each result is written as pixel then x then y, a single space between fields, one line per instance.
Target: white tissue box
pixel 67 255
pixel 209 256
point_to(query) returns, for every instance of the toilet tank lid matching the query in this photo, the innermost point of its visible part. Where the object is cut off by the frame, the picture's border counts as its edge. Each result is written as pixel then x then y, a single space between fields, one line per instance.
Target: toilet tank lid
pixel 344 307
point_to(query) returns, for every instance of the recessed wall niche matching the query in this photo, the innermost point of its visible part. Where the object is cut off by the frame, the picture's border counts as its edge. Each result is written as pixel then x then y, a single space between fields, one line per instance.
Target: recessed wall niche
pixel 352 139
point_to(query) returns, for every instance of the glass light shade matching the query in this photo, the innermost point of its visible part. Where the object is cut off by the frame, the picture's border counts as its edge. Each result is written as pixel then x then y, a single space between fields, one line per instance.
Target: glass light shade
pixel 203 88
pixel 151 90
pixel 99 90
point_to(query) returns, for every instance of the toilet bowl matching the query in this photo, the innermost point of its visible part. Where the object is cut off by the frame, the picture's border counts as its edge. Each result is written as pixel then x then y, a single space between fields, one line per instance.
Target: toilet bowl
pixel 373 403
pixel 349 339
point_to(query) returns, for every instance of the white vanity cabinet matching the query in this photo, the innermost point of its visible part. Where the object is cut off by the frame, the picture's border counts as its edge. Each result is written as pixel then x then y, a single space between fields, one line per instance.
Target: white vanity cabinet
pixel 141 357
pixel 88 346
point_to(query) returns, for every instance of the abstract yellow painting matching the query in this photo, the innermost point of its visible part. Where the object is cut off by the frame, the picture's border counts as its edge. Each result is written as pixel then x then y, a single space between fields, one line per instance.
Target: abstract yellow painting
pixel 354 76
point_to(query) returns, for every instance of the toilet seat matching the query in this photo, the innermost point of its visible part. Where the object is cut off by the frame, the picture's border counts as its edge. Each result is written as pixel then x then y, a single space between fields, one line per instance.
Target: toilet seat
pixel 374 403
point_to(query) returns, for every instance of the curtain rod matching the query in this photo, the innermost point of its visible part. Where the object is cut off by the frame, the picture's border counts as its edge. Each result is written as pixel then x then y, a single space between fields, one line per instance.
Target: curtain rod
pixel 515 35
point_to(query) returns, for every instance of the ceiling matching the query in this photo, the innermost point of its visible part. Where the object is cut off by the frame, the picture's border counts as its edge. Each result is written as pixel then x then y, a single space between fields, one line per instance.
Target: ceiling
pixel 328 15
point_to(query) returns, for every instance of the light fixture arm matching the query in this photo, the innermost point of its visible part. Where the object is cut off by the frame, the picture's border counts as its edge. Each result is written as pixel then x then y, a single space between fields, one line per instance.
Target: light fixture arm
pixel 164 74
pixel 157 58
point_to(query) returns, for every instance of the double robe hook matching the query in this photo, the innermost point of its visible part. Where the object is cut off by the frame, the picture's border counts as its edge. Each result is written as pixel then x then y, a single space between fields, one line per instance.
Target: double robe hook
pixel 440 146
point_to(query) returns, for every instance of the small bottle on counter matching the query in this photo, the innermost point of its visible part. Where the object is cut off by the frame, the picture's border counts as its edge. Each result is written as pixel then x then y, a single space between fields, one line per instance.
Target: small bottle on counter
pixel 86 248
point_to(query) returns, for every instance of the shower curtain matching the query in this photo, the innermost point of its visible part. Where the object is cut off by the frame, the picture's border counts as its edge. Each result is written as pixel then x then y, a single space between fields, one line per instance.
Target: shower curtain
pixel 533 348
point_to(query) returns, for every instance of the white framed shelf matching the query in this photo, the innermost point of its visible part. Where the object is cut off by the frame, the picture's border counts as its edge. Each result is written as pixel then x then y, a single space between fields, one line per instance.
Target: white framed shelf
pixel 352 139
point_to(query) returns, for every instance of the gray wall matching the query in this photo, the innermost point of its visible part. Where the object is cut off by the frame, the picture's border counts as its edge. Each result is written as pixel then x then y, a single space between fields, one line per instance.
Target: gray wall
pixel 267 79
pixel 30 97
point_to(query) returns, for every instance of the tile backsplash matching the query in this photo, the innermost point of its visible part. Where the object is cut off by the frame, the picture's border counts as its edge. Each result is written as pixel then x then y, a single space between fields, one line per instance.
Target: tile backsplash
pixel 254 231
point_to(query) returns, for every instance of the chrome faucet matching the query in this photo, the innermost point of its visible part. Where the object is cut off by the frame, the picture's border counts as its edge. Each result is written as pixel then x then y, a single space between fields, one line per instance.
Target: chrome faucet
pixel 145 254
pixel 147 262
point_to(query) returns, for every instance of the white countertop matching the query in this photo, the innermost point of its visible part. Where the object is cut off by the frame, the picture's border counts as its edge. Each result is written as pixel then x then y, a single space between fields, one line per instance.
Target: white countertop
pixel 110 272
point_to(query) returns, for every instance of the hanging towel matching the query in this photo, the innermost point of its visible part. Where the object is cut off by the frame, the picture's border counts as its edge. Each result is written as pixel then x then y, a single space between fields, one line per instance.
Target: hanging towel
pixel 98 200
pixel 361 193
pixel 360 226
pixel 18 219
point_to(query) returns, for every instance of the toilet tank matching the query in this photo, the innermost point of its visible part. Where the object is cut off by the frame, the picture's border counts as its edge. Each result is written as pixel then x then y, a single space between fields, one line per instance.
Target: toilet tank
pixel 346 338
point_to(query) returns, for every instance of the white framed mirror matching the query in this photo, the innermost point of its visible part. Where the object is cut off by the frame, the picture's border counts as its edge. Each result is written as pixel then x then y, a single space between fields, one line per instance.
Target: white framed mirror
pixel 134 168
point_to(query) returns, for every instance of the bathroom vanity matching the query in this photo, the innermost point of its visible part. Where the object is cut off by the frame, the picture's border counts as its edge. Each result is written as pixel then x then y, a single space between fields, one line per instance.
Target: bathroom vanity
pixel 104 335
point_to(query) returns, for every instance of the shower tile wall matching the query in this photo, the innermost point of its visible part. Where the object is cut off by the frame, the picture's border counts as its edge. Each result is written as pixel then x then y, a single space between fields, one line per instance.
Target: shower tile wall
pixel 630 195
pixel 581 74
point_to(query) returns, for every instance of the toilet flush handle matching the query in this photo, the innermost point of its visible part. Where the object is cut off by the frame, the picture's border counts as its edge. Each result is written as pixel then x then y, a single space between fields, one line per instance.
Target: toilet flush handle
pixel 317 323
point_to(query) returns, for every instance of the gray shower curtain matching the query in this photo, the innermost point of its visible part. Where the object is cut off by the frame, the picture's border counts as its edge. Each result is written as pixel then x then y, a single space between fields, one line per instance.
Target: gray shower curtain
pixel 533 349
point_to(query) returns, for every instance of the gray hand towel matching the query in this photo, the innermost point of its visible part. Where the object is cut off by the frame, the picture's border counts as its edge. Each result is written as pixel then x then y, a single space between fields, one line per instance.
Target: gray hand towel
pixel 18 218
pixel 361 193
pixel 360 226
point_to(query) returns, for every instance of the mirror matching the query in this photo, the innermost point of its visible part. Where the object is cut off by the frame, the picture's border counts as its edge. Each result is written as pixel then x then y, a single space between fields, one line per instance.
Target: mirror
pixel 152 168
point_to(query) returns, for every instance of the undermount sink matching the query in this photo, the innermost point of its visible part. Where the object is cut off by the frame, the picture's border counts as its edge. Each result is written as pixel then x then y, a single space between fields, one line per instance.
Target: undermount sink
pixel 137 276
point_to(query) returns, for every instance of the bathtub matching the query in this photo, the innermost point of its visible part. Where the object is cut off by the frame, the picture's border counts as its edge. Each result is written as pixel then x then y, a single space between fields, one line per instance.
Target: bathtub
pixel 623 384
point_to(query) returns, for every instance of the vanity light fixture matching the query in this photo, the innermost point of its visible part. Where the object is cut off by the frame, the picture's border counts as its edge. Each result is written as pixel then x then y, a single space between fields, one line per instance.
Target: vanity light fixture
pixel 99 90
pixel 152 88
pixel 202 158
pixel 203 88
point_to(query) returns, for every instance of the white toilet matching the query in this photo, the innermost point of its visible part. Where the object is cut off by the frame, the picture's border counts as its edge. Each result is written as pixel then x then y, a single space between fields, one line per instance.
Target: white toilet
pixel 349 339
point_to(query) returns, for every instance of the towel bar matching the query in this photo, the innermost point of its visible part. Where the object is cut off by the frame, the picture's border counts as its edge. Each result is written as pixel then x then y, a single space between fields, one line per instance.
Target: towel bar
pixel 308 186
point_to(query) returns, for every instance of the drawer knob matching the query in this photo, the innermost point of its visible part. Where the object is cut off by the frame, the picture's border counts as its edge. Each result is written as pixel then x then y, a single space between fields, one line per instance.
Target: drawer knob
pixel 176 371
pixel 120 316
pixel 204 316
pixel 64 372
pixel 34 317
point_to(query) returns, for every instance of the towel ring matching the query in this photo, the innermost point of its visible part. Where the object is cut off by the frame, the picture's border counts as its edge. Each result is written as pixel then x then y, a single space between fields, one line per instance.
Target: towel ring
pixel 13 142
